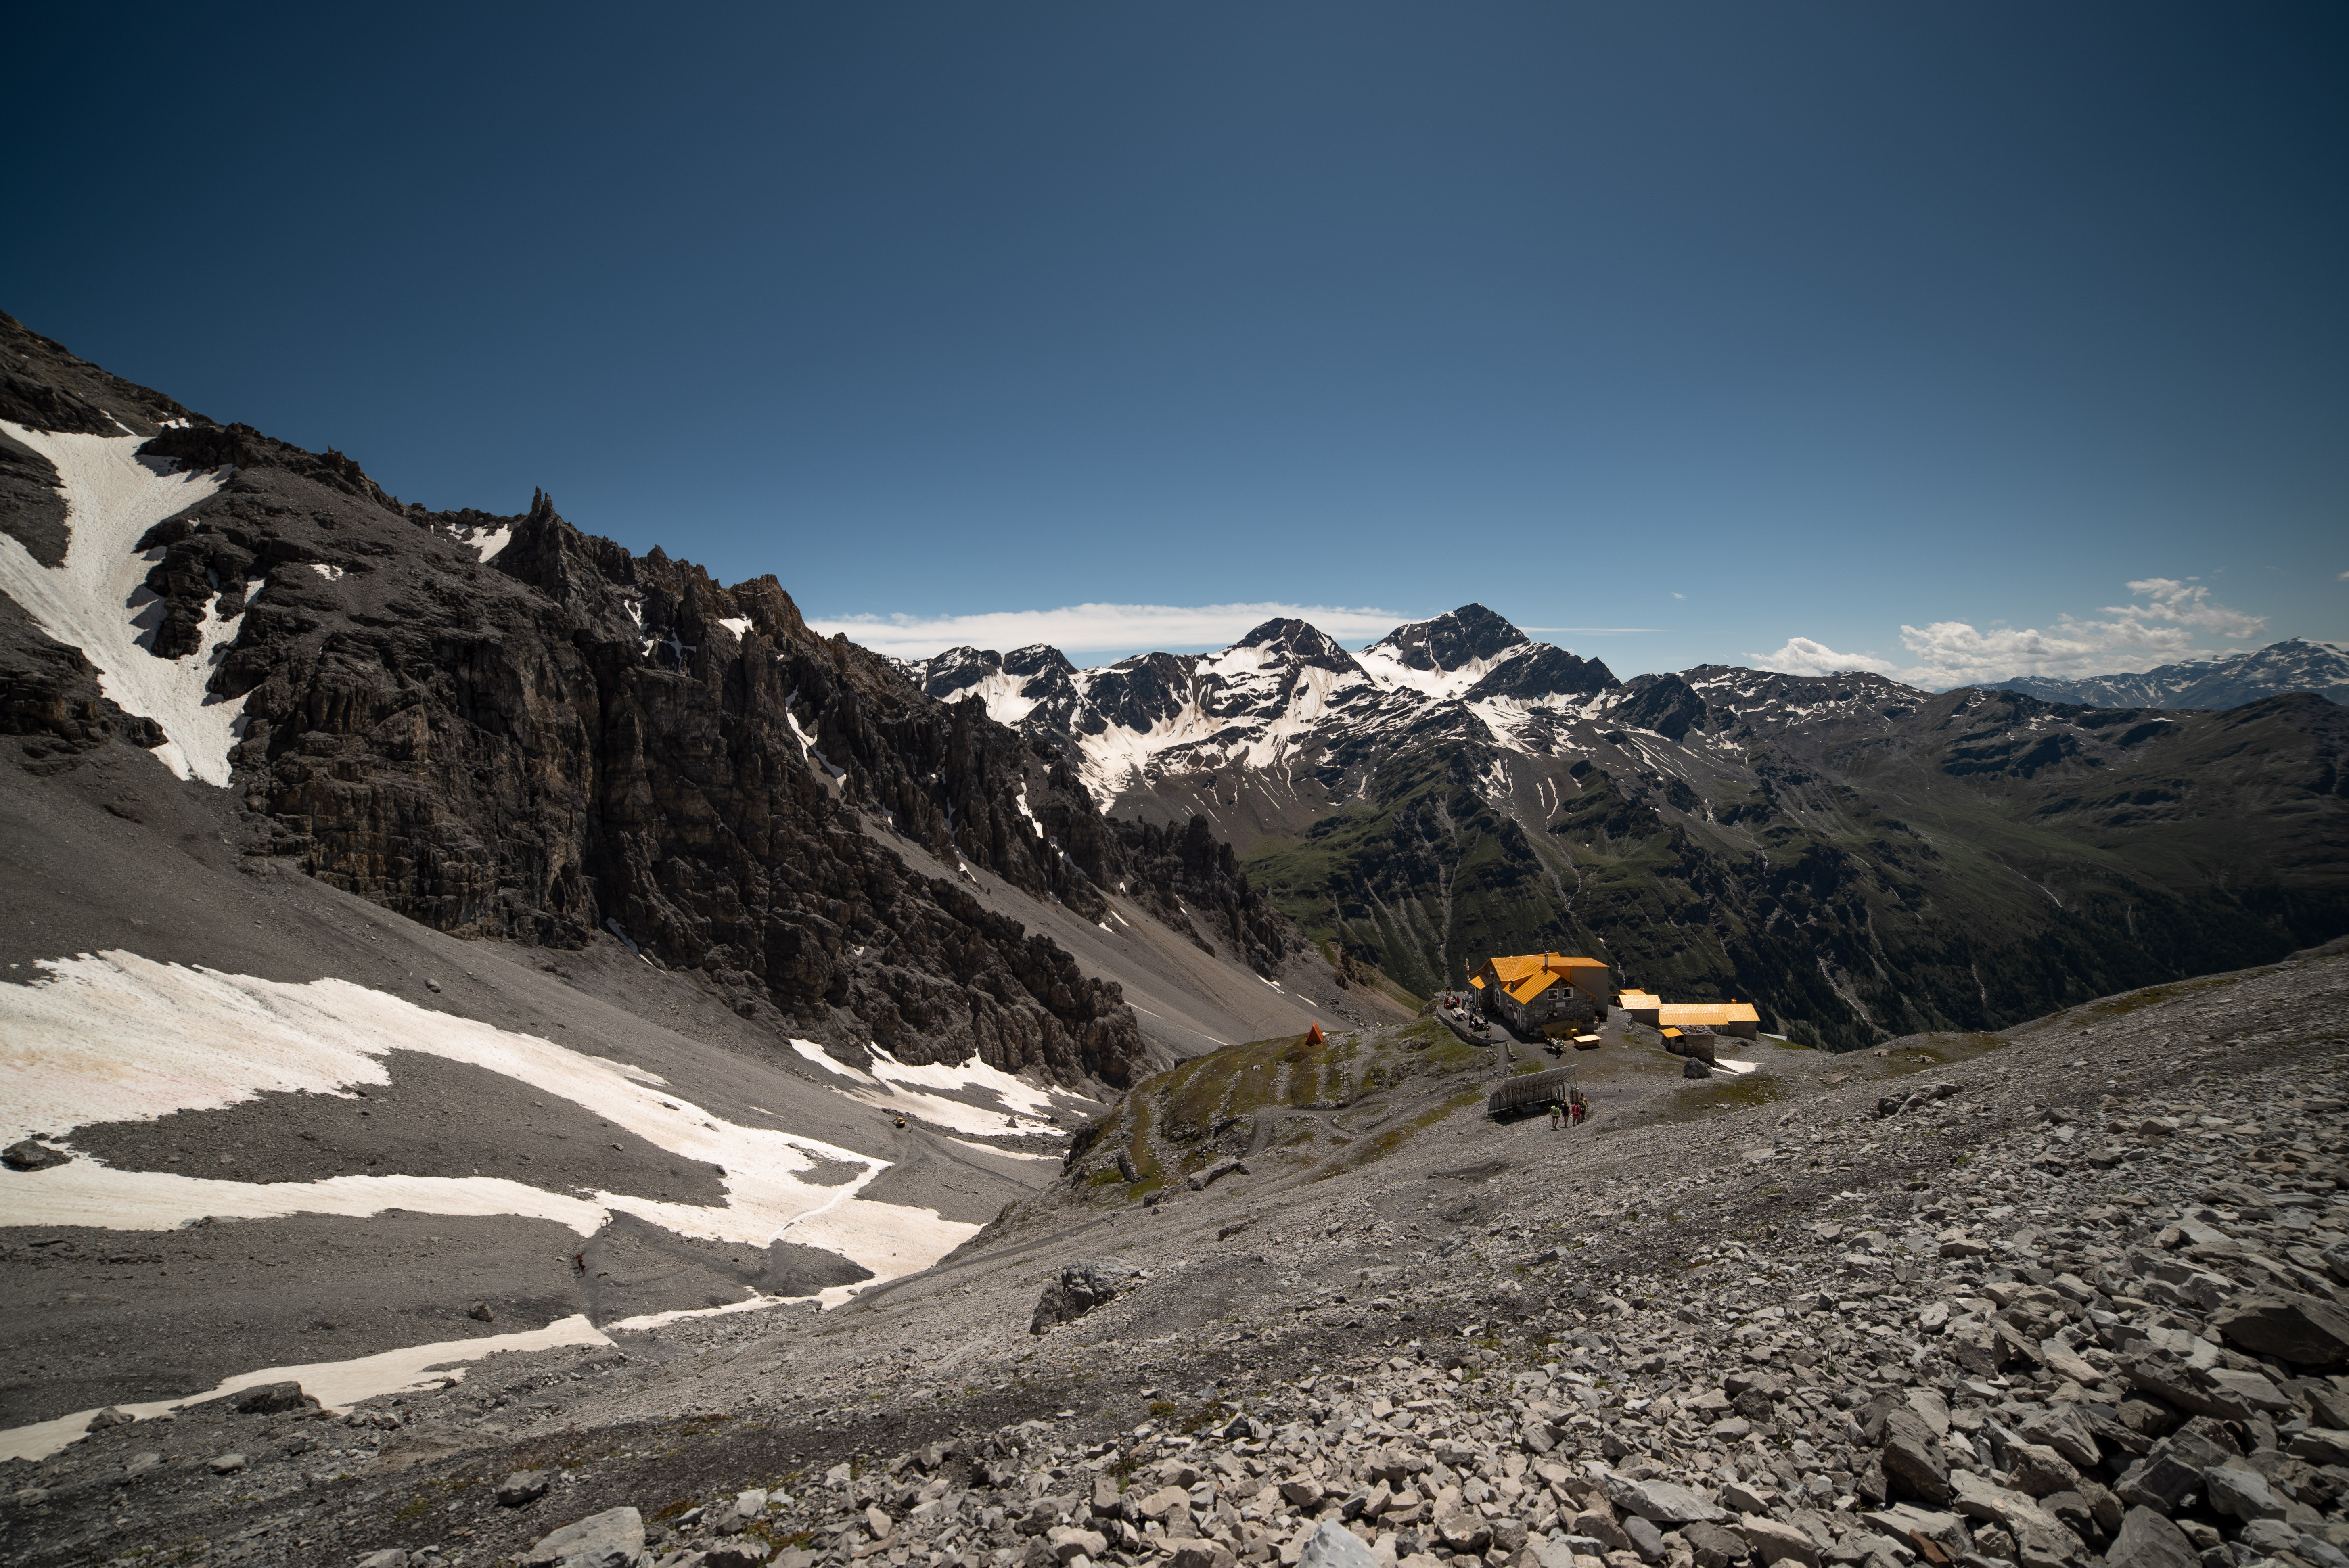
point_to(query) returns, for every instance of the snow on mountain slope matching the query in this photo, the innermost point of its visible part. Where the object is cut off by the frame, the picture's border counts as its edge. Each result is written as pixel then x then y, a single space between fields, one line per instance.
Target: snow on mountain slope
pixel 214 1040
pixel 99 600
pixel 1280 699
pixel 2296 664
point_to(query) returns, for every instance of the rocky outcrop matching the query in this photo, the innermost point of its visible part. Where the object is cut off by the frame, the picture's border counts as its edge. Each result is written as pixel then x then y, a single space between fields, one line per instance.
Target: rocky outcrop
pixel 1171 867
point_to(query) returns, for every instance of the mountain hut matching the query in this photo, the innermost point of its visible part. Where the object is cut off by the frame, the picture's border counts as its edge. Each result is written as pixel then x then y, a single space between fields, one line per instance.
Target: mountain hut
pixel 1530 990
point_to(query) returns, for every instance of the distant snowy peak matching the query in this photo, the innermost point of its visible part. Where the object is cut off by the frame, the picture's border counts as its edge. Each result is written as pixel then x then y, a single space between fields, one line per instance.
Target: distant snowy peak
pixel 1285 693
pixel 1445 656
pixel 1729 701
pixel 2231 680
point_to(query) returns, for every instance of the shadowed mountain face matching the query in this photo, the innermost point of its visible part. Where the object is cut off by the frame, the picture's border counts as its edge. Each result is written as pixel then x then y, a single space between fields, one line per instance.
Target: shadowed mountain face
pixel 2296 664
pixel 498 726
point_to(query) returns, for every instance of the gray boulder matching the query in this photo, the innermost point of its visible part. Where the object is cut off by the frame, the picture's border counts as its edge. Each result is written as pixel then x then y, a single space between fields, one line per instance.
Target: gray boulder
pixel 1200 1180
pixel 1659 1502
pixel 2241 1493
pixel 2287 1326
pixel 524 1486
pixel 613 1539
pixel 1645 1539
pixel 2036 1470
pixel 269 1399
pixel 1714 1546
pixel 2060 1428
pixel 1078 1291
pixel 739 1553
pixel 1914 1464
pixel 2149 1540
pixel 1774 1541
pixel 1334 1546
pixel 29 1155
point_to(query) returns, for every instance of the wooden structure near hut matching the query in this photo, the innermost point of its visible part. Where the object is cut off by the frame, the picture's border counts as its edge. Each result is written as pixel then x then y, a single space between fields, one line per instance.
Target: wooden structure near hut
pixel 1531 1090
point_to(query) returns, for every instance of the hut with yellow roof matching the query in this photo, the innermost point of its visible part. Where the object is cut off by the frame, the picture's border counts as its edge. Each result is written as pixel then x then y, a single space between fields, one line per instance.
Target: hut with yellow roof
pixel 1529 991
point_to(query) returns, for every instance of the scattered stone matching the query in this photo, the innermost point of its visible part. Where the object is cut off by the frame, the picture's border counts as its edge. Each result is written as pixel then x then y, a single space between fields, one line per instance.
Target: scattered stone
pixel 29 1155
pixel 269 1400
pixel 1200 1180
pixel 521 1487
pixel 2240 1493
pixel 480 1313
pixel 225 1464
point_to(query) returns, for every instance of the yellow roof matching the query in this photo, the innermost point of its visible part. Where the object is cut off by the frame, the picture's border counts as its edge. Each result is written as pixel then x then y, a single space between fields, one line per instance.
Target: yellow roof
pixel 1477 981
pixel 1640 999
pixel 1671 1031
pixel 1515 968
pixel 1534 984
pixel 1712 1015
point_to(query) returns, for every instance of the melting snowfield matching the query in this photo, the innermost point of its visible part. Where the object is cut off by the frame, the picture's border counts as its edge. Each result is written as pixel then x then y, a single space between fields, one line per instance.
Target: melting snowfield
pixel 970 1097
pixel 121 1037
pixel 99 600
pixel 337 1385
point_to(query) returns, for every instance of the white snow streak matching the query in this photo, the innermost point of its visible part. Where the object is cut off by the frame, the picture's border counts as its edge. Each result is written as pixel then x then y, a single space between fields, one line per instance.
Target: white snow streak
pixel 99 600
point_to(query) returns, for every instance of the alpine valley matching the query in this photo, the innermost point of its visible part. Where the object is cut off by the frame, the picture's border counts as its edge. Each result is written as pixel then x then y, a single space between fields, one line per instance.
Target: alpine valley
pixel 1859 858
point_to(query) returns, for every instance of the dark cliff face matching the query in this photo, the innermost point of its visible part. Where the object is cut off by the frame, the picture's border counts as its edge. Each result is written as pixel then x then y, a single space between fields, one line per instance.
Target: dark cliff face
pixel 565 739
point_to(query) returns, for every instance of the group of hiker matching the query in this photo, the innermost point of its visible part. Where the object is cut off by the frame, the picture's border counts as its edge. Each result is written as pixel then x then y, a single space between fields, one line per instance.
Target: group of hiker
pixel 1570 1112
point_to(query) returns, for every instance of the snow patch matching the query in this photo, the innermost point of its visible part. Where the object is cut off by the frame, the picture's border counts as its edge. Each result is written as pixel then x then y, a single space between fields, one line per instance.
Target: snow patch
pixel 99 600
pixel 208 1040
pixel 738 624
pixel 488 542
pixel 970 1097
pixel 331 574
pixel 337 1385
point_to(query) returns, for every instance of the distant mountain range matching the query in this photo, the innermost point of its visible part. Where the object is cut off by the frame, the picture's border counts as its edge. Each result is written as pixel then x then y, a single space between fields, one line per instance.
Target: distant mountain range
pixel 2296 664
pixel 1863 858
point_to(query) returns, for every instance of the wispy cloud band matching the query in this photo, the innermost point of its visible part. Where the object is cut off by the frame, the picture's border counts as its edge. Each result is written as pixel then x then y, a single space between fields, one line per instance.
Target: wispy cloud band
pixel 2171 616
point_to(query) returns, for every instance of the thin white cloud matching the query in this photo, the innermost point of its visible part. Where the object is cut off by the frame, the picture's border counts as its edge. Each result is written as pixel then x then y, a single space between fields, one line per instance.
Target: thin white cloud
pixel 1804 656
pixel 1099 628
pixel 2180 605
pixel 1680 596
pixel 2164 629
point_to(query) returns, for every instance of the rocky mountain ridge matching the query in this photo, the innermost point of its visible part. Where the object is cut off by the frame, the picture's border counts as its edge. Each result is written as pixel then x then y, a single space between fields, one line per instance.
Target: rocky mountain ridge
pixel 2230 680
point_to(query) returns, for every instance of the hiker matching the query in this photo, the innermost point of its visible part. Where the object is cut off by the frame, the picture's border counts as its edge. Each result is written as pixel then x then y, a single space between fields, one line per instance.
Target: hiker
pixel 1557 1117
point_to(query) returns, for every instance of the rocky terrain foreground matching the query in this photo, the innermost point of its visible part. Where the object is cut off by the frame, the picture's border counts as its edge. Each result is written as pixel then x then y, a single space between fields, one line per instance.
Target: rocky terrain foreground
pixel 2066 1296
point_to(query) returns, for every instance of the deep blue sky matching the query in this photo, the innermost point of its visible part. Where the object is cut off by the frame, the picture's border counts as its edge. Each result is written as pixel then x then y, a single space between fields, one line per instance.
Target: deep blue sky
pixel 1830 318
